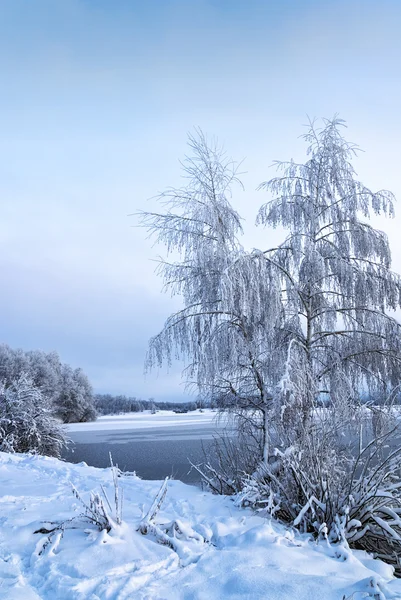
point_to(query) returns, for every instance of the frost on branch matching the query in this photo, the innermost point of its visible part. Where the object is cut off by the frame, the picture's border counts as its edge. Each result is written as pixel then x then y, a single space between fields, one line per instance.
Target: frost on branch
pixel 27 423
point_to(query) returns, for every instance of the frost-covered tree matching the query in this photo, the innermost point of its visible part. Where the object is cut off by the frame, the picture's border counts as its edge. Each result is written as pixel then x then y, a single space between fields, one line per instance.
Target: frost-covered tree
pixel 27 423
pixel 45 371
pixel 338 291
pixel 12 363
pixel 75 400
pixel 223 331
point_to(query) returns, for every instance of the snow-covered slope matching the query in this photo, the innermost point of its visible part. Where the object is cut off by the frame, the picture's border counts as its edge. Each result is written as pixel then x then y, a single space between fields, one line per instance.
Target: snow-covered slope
pixel 244 556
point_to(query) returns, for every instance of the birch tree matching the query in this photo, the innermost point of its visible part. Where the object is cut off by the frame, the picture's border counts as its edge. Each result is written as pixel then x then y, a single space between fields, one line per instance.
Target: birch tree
pixel 339 293
pixel 224 328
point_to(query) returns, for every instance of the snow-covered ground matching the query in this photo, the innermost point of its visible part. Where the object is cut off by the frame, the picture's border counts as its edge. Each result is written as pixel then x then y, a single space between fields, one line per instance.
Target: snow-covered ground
pixel 224 552
pixel 145 420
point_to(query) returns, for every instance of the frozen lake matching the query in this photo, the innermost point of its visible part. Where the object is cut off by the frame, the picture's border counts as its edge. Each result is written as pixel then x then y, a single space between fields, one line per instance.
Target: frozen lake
pixel 154 446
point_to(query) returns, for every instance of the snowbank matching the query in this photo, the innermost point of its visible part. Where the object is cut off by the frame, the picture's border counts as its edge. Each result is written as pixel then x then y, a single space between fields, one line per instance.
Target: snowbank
pixel 228 552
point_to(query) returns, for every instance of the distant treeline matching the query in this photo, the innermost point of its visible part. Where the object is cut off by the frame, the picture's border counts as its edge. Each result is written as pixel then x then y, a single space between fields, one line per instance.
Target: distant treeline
pixel 106 404
pixel 66 390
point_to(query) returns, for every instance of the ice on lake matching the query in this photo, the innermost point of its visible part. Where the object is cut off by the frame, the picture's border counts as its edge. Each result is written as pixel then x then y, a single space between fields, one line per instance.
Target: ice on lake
pixel 154 446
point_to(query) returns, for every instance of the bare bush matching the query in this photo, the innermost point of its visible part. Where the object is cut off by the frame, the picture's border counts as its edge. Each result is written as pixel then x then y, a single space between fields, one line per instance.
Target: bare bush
pixel 228 459
pixel 330 492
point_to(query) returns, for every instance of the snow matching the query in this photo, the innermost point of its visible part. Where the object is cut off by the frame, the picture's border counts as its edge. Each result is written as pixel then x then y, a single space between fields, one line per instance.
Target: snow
pixel 146 420
pixel 222 552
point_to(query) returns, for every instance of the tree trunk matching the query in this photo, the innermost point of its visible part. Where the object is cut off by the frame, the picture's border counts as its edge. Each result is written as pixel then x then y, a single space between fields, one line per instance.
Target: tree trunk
pixel 266 437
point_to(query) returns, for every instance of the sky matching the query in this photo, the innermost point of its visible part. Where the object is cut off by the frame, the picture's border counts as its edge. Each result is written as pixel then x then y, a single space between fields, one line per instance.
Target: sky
pixel 97 98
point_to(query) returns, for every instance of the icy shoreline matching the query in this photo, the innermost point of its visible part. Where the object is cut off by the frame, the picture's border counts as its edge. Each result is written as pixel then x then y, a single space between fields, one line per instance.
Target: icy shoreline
pixel 145 420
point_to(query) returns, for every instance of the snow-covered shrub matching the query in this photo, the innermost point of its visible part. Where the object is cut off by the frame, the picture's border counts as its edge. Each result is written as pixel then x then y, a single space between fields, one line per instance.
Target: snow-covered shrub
pixel 329 482
pixel 68 389
pixel 175 534
pixel 27 423
pixel 98 511
pixel 344 494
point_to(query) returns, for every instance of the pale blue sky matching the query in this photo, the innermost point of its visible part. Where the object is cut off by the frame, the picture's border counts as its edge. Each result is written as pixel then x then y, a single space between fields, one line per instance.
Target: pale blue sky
pixel 96 100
